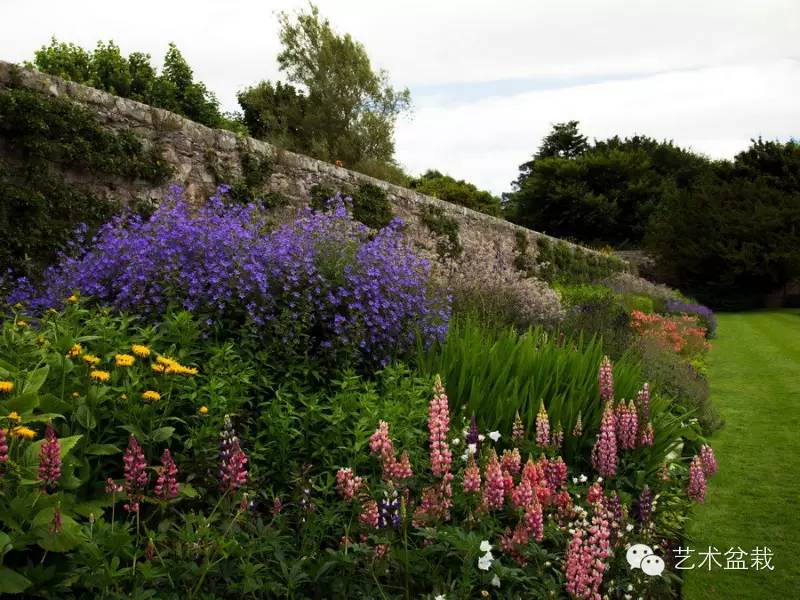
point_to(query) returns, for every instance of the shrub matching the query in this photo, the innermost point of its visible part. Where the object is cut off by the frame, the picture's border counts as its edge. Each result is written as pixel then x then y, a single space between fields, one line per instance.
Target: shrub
pixel 703 313
pixel 595 310
pixel 369 202
pixel 630 284
pixel 683 335
pixel 495 291
pixel 557 260
pixel 319 284
pixel 639 302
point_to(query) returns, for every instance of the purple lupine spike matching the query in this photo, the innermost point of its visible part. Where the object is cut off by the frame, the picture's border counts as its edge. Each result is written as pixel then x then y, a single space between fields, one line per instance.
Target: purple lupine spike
pixel 645 508
pixel 166 486
pixel 605 379
pixel 50 459
pixel 135 471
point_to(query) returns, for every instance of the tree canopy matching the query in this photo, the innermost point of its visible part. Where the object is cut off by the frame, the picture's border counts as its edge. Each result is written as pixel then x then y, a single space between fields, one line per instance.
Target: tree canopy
pixel 458 191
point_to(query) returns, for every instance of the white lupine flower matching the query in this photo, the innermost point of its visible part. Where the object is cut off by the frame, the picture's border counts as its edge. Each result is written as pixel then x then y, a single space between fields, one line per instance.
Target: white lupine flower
pixel 472 448
pixel 481 437
pixel 575 480
pixel 583 478
pixel 495 435
pixel 485 561
pixel 485 546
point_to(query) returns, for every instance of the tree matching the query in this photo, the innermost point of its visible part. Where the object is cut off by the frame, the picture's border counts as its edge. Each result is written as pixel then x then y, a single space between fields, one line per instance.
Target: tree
pixel 458 191
pixel 564 141
pixel 342 109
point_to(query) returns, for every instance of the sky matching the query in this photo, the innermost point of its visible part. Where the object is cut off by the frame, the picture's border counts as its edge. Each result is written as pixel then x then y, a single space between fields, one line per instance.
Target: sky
pixel 488 79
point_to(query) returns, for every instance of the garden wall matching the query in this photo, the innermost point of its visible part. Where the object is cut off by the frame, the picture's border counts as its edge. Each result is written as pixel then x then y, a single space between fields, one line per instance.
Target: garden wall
pixel 201 157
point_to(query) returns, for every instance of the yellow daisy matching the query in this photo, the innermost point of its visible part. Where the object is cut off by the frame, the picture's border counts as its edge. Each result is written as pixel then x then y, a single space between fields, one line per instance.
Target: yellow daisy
pixel 151 396
pixel 22 324
pixel 124 360
pixel 123 397
pixel 6 386
pixel 157 368
pixel 101 376
pixel 23 432
pixel 72 298
pixel 140 350
pixel 91 359
pixel 14 416
pixel 203 410
pixel 74 351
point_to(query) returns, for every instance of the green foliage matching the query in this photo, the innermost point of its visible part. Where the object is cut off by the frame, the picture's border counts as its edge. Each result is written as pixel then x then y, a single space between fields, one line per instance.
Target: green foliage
pixel 444 187
pixel 639 302
pixel 343 110
pixel 448 244
pixel 567 263
pixel 734 238
pixel 252 179
pixel 595 310
pixel 134 77
pixel 370 203
pixel 39 127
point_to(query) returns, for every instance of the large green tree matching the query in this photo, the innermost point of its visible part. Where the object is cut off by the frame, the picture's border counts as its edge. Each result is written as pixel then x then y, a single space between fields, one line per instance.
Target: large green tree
pixel 336 106
pixel 457 191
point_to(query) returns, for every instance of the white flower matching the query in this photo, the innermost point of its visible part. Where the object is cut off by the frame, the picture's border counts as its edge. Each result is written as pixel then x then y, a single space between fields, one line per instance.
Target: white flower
pixel 439 597
pixel 600 480
pixel 456 441
pixel 583 478
pixel 629 527
pixel 481 437
pixel 465 456
pixel 630 587
pixel 485 546
pixel 495 435
pixel 628 597
pixel 574 480
pixel 485 561
pixel 472 448
pixel 496 581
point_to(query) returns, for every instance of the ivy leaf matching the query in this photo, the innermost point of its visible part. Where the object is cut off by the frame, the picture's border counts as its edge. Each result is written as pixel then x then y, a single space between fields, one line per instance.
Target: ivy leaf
pixel 12 582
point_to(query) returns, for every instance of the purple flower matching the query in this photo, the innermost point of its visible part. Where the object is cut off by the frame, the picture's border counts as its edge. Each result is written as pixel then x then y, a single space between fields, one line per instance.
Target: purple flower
pixel 50 459
pixel 135 470
pixel 167 484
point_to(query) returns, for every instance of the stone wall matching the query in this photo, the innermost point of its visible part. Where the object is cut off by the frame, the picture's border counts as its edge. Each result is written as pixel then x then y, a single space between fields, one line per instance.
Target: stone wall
pixel 198 154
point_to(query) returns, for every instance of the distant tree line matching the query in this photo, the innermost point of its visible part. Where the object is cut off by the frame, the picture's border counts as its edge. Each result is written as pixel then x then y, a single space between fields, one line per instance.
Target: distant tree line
pixel 727 231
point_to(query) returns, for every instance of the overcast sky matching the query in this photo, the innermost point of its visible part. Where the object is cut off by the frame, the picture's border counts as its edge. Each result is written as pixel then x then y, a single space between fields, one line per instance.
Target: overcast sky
pixel 489 78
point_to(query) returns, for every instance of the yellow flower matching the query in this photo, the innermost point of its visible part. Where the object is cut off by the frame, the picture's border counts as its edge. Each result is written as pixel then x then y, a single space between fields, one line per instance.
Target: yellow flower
pixel 14 416
pixel 151 396
pixel 140 351
pixel 123 397
pixel 157 368
pixel 22 324
pixel 6 386
pixel 72 298
pixel 124 360
pixel 173 367
pixel 23 432
pixel 91 359
pixel 75 351
pixel 203 410
pixel 102 376
pixel 76 394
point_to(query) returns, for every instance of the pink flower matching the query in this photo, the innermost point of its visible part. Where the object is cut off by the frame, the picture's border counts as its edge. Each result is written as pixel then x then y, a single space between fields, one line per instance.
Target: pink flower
pixel 233 471
pixel 643 402
pixel 511 461
pixel 347 484
pixel 494 487
pixel 522 495
pixel 3 446
pixel 50 459
pixel 577 431
pixel 697 481
pixel 542 427
pixel 534 520
pixel 532 472
pixel 557 437
pixel 401 469
pixel 647 435
pixel 381 444
pixel 595 493
pixel 627 425
pixel 135 471
pixel 517 429
pixel 166 486
pixel 57 523
pixel 605 379
pixel 369 514
pixel 585 559
pixel 709 460
pixel 472 477
pixel 604 453
pixel 556 473
pixel 112 487
pixel 438 424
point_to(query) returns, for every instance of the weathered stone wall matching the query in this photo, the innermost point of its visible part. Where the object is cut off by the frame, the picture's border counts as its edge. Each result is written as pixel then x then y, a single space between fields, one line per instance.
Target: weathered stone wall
pixel 198 153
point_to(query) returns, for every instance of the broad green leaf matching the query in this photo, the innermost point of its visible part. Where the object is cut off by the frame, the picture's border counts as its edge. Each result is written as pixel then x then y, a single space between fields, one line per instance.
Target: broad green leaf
pixel 102 450
pixel 5 540
pixel 23 403
pixel 186 489
pixel 162 434
pixel 84 416
pixel 68 538
pixel 12 582
pixel 36 379
pixel 7 370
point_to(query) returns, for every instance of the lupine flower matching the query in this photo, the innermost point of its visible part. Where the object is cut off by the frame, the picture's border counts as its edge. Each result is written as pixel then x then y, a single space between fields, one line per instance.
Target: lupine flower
pixel 512 461
pixel 517 429
pixel 604 453
pixel 605 379
pixel 400 469
pixel 277 506
pixel 697 481
pixel 643 403
pixel 3 446
pixel 647 435
pixel 438 425
pixel 585 559
pixel 389 511
pixel 494 488
pixel 473 435
pixel 542 427
pixel 556 473
pixel 472 476
pixel 113 487
pixel 709 460
pixel 347 484
pixel 522 495
pixel 233 472
pixel 557 437
pixel 532 472
pixel 577 431
pixel 50 459
pixel 534 520
pixel 166 486
pixel 627 425
pixel 645 508
pixel 135 471
pixel 595 493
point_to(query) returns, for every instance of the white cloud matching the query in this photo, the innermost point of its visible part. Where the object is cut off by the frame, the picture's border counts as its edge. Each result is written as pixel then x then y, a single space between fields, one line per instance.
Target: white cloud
pixel 724 69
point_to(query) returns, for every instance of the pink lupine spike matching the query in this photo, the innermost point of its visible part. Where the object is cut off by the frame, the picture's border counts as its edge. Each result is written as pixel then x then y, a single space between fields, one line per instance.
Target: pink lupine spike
pixel 494 487
pixel 604 453
pixel 709 460
pixel 166 486
pixel 697 481
pixel 542 427
pixel 605 379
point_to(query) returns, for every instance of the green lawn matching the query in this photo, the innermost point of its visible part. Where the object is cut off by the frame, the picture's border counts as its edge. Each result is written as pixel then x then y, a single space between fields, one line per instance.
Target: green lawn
pixel 754 500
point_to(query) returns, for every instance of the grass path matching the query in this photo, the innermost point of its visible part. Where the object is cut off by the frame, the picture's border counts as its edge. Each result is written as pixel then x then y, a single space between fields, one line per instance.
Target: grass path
pixel 754 500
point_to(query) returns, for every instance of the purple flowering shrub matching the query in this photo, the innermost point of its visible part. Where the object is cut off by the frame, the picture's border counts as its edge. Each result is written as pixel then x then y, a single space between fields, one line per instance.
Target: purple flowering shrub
pixel 705 314
pixel 321 282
